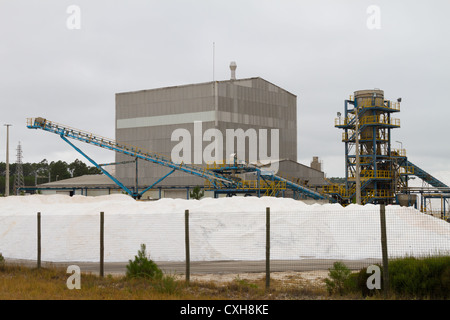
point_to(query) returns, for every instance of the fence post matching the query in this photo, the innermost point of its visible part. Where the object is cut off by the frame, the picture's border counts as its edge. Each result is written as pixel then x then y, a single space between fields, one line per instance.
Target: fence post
pixel 102 243
pixel 38 240
pixel 188 254
pixel 267 248
pixel 384 249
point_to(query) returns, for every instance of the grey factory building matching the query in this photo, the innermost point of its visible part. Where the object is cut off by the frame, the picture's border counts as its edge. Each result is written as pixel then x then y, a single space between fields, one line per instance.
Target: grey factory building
pixel 151 119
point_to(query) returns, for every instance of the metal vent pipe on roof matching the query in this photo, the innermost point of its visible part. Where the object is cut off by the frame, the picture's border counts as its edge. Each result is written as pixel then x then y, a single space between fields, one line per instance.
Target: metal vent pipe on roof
pixel 233 67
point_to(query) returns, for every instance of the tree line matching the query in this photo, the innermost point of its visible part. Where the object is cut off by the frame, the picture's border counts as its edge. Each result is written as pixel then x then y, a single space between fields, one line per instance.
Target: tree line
pixel 43 172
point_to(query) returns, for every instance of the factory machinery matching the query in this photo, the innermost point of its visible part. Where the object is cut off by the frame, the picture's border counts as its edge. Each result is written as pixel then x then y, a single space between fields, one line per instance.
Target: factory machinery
pixel 372 166
pixel 221 178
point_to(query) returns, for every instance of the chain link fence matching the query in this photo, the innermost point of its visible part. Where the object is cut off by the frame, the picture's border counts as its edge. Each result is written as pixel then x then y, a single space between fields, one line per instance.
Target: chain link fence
pixel 193 242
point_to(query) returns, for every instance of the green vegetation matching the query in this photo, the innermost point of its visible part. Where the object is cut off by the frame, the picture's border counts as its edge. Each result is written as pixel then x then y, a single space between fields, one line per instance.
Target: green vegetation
pixel 143 267
pixel 49 283
pixel 409 278
pixel 425 278
pixel 338 279
pixel 197 193
pixel 43 172
pixel 337 180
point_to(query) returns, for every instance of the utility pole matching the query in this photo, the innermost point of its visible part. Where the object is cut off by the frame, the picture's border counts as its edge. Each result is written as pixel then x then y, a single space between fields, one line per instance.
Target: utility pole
pixel 7 161
pixel 358 166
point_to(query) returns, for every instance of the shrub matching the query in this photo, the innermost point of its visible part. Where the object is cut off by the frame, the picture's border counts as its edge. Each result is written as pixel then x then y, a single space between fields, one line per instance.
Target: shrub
pixel 351 284
pixel 143 267
pixel 197 193
pixel 362 277
pixel 445 280
pixel 2 262
pixel 421 278
pixel 338 278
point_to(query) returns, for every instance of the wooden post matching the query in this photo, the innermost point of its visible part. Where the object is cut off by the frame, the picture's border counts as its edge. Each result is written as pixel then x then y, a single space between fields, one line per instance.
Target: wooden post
pixel 38 240
pixel 267 248
pixel 384 249
pixel 102 243
pixel 188 254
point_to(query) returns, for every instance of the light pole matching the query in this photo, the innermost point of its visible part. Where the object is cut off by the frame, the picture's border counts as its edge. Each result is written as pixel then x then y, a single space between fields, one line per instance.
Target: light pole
pixel 358 177
pixel 401 145
pixel 7 161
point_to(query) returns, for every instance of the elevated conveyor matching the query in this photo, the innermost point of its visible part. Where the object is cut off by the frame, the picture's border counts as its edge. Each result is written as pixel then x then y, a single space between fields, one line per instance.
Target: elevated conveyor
pixel 422 174
pixel 67 132
pixel 218 179
pixel 295 186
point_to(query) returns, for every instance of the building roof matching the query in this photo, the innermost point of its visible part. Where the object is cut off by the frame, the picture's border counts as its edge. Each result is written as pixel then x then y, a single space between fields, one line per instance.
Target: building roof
pixel 266 163
pixel 203 83
pixel 89 180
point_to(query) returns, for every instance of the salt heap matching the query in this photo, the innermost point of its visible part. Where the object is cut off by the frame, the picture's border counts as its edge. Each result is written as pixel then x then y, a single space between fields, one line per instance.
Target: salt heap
pixel 220 229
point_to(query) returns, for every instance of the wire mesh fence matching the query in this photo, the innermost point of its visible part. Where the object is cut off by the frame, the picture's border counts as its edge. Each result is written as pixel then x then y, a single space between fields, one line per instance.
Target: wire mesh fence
pixel 224 242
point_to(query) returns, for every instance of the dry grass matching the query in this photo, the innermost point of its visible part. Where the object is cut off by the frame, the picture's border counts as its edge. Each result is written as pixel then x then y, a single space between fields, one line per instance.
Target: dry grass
pixel 24 283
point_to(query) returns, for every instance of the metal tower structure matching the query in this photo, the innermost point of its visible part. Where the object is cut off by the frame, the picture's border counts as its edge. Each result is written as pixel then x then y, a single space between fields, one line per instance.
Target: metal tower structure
pixel 18 177
pixel 372 167
pixel 374 171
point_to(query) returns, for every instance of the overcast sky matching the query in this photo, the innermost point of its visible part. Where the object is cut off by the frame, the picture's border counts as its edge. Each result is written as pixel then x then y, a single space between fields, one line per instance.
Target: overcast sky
pixel 321 51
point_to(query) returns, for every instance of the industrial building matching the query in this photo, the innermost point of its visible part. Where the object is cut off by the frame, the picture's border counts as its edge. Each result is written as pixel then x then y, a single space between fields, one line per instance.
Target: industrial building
pixel 232 137
pixel 148 119
pixel 151 125
pixel 87 185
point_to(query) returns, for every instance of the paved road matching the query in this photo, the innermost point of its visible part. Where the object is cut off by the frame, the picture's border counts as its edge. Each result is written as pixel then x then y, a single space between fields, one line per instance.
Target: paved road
pixel 210 267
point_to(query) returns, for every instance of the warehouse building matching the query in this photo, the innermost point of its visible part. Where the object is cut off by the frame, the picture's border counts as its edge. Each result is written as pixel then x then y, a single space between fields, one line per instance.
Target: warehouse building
pixel 255 119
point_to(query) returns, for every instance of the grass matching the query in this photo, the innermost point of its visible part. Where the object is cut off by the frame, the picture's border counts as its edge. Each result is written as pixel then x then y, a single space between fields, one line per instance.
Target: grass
pixel 49 283
pixel 18 282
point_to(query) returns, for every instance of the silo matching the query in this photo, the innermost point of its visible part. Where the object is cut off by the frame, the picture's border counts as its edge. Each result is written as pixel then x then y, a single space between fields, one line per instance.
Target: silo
pixel 372 140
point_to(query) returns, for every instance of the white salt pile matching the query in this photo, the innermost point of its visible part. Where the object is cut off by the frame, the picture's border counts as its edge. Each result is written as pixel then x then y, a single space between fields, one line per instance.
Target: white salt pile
pixel 220 229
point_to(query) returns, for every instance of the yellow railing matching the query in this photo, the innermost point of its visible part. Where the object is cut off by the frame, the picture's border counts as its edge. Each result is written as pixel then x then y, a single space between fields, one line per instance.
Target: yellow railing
pixel 407 170
pixel 398 153
pixel 338 189
pixel 364 136
pixel 394 106
pixel 253 185
pixel 378 193
pixel 216 165
pixel 366 194
pixel 379 103
pixel 333 188
pixel 342 121
pixel 370 174
pixel 377 119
